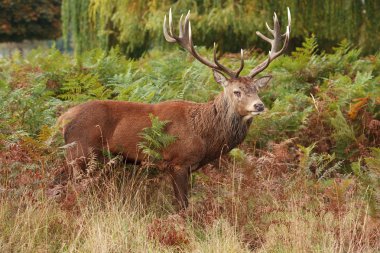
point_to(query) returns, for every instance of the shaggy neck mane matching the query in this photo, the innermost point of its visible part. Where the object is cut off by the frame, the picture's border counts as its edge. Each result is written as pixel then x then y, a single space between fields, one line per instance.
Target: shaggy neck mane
pixel 220 125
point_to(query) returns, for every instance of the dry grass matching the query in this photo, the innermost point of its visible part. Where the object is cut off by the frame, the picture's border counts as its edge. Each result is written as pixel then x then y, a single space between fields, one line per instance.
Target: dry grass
pixel 255 206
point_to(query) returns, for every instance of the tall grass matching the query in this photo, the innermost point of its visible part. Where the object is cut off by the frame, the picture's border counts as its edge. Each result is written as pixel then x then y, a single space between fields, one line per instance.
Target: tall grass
pixel 115 218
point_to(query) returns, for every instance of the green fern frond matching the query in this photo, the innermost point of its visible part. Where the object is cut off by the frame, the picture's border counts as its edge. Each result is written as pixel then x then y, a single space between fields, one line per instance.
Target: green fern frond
pixel 344 134
pixel 154 138
pixel 80 87
pixel 308 49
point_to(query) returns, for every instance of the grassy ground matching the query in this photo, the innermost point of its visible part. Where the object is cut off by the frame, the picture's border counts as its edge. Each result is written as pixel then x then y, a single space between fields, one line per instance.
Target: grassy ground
pixel 235 208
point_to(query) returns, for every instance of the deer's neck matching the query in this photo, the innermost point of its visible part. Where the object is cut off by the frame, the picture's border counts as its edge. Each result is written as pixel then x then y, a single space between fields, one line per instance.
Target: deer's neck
pixel 219 124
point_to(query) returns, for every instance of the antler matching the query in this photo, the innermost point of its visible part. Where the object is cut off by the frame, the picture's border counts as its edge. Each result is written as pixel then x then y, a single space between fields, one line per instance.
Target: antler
pixel 275 43
pixel 185 40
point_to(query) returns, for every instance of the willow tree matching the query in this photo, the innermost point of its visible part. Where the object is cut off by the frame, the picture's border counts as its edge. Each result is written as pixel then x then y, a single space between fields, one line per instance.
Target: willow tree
pixel 136 25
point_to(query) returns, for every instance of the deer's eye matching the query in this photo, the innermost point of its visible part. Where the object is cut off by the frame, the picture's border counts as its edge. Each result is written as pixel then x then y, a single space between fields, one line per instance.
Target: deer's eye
pixel 237 93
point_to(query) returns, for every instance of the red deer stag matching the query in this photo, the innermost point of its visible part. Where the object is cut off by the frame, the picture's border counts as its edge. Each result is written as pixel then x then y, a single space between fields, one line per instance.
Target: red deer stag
pixel 203 131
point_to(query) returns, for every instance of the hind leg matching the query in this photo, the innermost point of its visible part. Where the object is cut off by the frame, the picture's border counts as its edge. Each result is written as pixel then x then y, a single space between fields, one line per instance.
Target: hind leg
pixel 74 165
pixel 180 181
pixel 76 162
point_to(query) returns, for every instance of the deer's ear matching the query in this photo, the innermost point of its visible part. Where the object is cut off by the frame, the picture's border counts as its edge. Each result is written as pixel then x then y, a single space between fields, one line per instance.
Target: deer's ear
pixel 262 81
pixel 220 78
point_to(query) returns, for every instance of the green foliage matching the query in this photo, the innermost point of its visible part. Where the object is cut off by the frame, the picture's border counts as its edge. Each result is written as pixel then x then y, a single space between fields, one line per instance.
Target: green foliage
pixel 26 109
pixel 343 134
pixel 287 116
pixel 319 166
pixel 105 65
pixel 81 87
pixel 305 53
pixel 76 24
pixel 29 19
pixel 163 76
pixel 137 25
pixel 238 154
pixel 154 138
pixel 324 96
pixel 304 161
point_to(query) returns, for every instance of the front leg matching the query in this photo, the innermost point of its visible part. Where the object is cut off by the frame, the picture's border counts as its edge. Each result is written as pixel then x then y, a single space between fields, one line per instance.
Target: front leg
pixel 180 181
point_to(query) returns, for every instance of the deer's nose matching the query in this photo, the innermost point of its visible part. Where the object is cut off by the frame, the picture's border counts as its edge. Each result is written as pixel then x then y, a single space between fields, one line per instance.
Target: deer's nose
pixel 259 107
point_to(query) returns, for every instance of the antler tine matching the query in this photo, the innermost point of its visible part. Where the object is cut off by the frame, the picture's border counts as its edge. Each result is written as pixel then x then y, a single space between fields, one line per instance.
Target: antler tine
pixel 268 27
pixel 223 68
pixel 241 62
pixel 275 42
pixel 187 31
pixel 185 40
pixel 264 37
pixel 168 37
pixel 180 26
pixel 277 31
pixel 170 22
pixel 289 22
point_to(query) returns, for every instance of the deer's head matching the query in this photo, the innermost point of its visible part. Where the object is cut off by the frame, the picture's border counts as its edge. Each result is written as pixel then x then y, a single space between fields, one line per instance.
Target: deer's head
pixel 241 91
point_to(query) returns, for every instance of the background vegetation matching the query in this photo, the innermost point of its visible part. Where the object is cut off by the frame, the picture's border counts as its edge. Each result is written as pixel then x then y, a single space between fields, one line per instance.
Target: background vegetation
pixel 306 179
pixel 137 25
